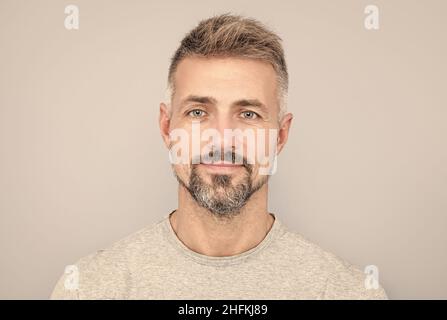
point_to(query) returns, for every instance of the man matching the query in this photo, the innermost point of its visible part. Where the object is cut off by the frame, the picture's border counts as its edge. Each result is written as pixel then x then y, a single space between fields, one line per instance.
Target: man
pixel 227 99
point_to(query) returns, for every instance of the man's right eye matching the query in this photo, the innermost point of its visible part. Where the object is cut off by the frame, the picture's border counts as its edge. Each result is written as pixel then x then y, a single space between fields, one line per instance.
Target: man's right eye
pixel 196 113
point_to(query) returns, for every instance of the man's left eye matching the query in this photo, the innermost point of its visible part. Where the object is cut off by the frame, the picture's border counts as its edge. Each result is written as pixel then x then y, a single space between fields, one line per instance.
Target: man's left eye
pixel 249 115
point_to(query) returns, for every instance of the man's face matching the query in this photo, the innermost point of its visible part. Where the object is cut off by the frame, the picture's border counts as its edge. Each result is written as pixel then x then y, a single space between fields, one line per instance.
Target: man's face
pixel 221 95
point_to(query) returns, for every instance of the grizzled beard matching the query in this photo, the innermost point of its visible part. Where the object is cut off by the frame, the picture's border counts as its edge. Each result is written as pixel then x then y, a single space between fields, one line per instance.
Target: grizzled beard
pixel 220 197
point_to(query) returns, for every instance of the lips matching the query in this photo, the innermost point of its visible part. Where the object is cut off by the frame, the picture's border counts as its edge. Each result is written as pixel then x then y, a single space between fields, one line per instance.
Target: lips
pixel 222 167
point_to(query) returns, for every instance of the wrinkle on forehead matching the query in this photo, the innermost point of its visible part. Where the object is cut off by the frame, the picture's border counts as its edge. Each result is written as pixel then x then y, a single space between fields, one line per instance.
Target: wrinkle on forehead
pixel 227 79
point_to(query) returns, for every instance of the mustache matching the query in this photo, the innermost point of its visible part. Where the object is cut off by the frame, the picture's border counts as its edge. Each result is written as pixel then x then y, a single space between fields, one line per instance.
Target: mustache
pixel 216 156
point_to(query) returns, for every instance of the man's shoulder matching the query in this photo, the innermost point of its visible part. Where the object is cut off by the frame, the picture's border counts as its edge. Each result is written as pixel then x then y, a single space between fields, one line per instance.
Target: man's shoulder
pixel 127 248
pixel 343 279
pixel 110 266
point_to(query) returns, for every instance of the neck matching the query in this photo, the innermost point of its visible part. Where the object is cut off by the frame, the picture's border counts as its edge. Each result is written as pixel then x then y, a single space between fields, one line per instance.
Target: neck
pixel 207 234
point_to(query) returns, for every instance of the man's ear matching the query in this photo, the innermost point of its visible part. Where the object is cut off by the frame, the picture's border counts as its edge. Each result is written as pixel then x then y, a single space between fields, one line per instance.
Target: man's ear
pixel 164 123
pixel 283 133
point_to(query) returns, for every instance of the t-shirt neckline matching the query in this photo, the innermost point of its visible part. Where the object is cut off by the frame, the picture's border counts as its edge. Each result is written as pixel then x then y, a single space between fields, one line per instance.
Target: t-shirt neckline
pixel 272 234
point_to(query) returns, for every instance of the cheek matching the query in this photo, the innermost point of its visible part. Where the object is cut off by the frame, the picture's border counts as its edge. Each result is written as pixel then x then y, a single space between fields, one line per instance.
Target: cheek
pixel 183 172
pixel 260 147
pixel 204 176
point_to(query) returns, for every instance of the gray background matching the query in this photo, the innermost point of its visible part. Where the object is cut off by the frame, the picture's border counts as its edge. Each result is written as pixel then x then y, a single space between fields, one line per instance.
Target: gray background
pixel 82 162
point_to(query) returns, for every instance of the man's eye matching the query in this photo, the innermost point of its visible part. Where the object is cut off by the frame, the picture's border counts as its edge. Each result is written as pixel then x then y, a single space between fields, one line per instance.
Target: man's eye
pixel 249 115
pixel 196 113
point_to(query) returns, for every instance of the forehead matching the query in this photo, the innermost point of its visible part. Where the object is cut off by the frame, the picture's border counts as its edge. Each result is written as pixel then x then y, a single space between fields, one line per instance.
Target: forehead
pixel 227 79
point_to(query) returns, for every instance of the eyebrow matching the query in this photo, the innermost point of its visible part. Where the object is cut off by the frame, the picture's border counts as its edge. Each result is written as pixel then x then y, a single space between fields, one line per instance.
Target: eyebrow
pixel 210 100
pixel 198 99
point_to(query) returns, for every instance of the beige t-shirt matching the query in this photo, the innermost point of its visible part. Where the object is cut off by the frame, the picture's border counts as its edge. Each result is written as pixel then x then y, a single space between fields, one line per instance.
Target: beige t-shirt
pixel 153 263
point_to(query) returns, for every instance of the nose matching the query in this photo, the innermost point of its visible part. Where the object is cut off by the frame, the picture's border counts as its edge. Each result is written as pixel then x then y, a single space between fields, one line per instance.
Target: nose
pixel 224 124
